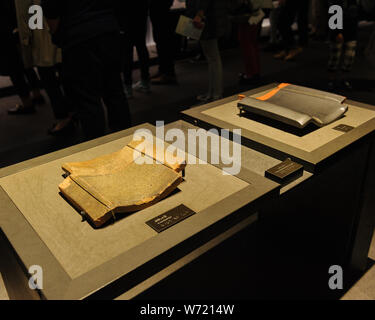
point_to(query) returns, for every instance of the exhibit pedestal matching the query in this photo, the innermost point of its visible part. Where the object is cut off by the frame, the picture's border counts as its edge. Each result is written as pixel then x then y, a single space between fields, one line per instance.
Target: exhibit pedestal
pixel 79 261
pixel 327 220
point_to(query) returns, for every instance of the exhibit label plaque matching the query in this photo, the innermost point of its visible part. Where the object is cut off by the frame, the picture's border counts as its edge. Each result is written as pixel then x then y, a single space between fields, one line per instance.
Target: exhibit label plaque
pixel 285 171
pixel 343 128
pixel 170 218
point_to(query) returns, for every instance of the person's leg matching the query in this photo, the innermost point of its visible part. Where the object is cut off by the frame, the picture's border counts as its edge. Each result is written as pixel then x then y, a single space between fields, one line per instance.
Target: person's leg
pixel 163 34
pixel 300 9
pixel 348 61
pixel 142 51
pixel 303 22
pixel 83 83
pixel 128 60
pixel 50 82
pixel 34 83
pixel 322 18
pixel 17 76
pixel 143 58
pixel 140 41
pixel 113 92
pixel 287 16
pixel 128 63
pixel 215 69
pixel 18 79
pixel 274 21
pixel 333 63
pixel 248 38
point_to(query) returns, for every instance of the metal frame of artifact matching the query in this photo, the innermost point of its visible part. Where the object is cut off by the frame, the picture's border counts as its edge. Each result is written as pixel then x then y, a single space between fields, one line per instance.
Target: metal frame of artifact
pixel 341 155
pixel 42 228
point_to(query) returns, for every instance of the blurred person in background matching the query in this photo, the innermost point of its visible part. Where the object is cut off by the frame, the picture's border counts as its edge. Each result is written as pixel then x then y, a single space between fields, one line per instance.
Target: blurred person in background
pixel 11 63
pixel 274 16
pixel 249 27
pixel 163 32
pixel 319 12
pixel 37 50
pixel 343 46
pixel 89 35
pixel 290 11
pixel 133 17
pixel 212 17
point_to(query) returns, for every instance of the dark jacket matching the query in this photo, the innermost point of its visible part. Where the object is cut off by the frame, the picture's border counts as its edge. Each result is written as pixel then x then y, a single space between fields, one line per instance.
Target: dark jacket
pixel 8 23
pixel 216 13
pixel 81 20
pixel 131 13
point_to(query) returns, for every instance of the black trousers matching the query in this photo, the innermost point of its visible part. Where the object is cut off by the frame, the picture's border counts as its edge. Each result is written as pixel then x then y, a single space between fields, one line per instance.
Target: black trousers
pixel 135 28
pixel 51 83
pixel 12 64
pixel 290 11
pixel 92 74
pixel 163 31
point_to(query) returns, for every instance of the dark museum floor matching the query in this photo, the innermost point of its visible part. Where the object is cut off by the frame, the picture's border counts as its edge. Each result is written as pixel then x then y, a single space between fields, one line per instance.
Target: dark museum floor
pixel 25 137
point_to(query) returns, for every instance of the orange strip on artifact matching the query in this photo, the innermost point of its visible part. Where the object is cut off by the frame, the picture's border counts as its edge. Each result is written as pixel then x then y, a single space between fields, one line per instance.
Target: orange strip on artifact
pixel 273 92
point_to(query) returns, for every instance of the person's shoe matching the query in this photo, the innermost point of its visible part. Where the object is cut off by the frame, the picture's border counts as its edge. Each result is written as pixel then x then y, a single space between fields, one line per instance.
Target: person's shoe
pixel 156 75
pixel 199 58
pixel 347 85
pixel 331 85
pixel 243 79
pixel 215 98
pixel 204 98
pixel 129 92
pixel 293 53
pixel 63 128
pixel 142 86
pixel 280 55
pixel 165 79
pixel 19 109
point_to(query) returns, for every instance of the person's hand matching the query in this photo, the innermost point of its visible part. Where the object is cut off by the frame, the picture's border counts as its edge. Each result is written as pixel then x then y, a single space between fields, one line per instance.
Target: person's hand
pixel 198 21
pixel 53 25
pixel 340 38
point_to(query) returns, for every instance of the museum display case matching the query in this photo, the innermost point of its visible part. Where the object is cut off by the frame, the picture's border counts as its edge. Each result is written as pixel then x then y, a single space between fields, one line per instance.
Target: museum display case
pixel 40 228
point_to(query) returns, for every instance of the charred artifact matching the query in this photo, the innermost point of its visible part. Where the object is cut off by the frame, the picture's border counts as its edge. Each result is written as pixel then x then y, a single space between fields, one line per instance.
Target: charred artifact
pixel 116 183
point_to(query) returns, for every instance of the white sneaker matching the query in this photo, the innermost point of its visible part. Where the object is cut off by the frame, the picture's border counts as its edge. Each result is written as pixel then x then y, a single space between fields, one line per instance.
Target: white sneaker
pixel 129 92
pixel 204 97
pixel 142 86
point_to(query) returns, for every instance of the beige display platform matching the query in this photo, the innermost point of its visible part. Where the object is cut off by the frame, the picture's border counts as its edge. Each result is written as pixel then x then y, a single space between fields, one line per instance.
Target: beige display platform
pixel 311 149
pixel 77 260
